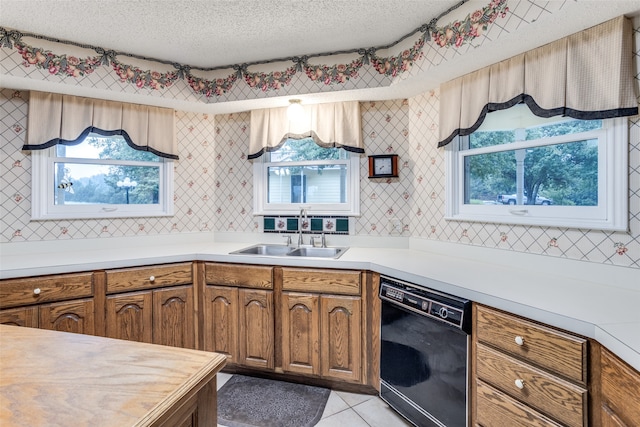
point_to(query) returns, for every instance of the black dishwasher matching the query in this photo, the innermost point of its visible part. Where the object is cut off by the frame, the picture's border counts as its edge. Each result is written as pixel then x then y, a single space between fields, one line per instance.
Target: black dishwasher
pixel 424 354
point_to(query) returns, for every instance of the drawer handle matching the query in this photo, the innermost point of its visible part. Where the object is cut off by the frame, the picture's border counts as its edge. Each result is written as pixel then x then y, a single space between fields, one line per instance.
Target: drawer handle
pixel 519 340
pixel 519 383
pixel 36 291
pixel 152 278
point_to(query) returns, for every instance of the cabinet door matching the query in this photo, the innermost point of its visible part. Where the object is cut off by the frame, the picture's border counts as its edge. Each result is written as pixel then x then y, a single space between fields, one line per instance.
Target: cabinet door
pixel 70 316
pixel 256 328
pixel 300 333
pixel 130 317
pixel 609 419
pixel 221 321
pixel 173 317
pixel 27 316
pixel 340 342
pixel 620 385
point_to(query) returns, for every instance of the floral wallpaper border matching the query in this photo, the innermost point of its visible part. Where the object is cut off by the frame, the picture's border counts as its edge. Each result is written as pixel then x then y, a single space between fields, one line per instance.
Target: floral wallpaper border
pixel 454 35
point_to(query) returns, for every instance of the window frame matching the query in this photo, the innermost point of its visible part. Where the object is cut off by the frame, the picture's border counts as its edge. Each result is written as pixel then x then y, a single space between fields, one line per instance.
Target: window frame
pixel 610 214
pixel 261 191
pixel 43 205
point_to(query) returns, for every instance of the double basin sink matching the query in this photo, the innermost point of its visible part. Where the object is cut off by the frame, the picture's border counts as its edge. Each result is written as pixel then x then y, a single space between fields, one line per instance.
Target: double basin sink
pixel 291 251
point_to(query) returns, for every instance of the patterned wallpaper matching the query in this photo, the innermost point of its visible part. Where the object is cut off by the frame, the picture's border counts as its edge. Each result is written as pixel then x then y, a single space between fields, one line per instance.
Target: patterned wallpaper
pixel 194 183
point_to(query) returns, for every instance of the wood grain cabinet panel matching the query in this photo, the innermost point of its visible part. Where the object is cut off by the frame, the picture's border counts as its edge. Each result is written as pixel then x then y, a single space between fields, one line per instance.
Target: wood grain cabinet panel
pixel 152 277
pixel 620 385
pixel 68 316
pixel 256 318
pixel 221 321
pixel 152 304
pixel 173 317
pixel 37 290
pixel 129 316
pixel 548 348
pixel 24 316
pixel 239 275
pixel 341 337
pixel 238 313
pixel 610 419
pixel 496 409
pixel 542 391
pixel 340 282
pixel 528 373
pixel 301 333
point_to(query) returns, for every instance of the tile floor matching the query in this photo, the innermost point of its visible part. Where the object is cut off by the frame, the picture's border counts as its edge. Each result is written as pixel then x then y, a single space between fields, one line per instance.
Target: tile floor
pixel 351 410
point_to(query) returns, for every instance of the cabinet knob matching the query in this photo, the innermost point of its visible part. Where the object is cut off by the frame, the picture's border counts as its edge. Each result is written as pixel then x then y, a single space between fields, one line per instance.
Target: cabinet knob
pixel 519 340
pixel 519 383
pixel 36 291
pixel 152 278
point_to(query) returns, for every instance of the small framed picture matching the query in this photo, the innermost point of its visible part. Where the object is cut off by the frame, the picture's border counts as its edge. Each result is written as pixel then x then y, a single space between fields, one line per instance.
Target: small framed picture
pixel 383 166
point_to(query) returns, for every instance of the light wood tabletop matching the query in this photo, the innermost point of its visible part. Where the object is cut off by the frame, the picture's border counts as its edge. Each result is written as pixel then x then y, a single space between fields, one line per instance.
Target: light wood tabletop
pixel 50 378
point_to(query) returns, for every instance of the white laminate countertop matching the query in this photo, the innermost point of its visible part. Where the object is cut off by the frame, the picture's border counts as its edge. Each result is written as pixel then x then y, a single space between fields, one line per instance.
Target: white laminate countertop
pixel 595 300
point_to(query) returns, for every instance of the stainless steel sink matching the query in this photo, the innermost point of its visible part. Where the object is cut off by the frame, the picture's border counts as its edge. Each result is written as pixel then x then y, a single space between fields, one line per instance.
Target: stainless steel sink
pixel 317 252
pixel 265 249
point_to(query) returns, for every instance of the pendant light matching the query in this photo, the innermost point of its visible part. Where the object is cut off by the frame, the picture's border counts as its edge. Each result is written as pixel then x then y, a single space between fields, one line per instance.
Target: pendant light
pixel 295 112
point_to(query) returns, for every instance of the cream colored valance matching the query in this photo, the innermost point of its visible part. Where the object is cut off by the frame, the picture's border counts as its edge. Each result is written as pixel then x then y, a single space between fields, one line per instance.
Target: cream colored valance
pixel 588 75
pixel 330 125
pixel 63 119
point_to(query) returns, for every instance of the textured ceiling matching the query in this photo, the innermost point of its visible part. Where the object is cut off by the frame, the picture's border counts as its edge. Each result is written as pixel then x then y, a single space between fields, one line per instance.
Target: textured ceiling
pixel 211 33
pixel 208 33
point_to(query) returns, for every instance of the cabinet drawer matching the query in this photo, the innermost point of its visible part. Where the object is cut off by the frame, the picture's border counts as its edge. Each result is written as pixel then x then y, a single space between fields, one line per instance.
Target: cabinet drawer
pixel 551 395
pixel 556 351
pixel 496 409
pixel 343 282
pixel 17 292
pixel 138 278
pixel 244 276
pixel 620 388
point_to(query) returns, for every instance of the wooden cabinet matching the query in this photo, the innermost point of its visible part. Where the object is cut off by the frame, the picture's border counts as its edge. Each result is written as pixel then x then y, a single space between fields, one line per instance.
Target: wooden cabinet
pixel 173 317
pixel 340 343
pixel 68 316
pixel 256 334
pixel 23 316
pixel 221 321
pixel 321 326
pixel 526 373
pixel 238 313
pixel 620 392
pixel 130 316
pixel 301 333
pixel 152 304
pixel 61 302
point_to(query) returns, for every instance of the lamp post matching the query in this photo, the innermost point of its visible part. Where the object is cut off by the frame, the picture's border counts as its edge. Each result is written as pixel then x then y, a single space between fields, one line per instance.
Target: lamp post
pixel 127 184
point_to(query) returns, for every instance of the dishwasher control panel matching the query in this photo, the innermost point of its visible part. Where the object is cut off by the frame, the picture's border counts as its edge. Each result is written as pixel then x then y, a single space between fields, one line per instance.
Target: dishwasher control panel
pixel 428 302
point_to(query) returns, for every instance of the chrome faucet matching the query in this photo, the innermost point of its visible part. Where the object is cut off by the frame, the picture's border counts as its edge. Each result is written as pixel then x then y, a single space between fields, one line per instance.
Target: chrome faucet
pixel 303 211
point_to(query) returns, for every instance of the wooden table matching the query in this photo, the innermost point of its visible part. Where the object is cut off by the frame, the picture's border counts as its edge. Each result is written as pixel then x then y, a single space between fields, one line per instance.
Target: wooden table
pixel 50 378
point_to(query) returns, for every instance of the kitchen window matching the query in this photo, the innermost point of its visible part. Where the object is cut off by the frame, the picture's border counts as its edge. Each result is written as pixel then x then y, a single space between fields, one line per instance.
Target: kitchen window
pixel 100 177
pixel 302 174
pixel 517 168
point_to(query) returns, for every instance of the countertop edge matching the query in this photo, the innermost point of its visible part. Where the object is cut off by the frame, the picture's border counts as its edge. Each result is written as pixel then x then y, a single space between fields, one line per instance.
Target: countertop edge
pixel 573 305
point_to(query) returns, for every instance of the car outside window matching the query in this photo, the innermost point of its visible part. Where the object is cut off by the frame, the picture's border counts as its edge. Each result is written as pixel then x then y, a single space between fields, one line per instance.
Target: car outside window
pixel 518 168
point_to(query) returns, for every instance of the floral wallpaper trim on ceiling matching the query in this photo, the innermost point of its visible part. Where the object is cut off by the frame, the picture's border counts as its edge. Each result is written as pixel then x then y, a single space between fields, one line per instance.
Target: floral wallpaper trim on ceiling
pixel 454 34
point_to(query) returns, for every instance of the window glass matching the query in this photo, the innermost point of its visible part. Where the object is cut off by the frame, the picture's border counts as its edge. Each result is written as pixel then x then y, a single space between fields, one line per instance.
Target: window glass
pixel 101 177
pixel 522 169
pixel 560 174
pixel 301 172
